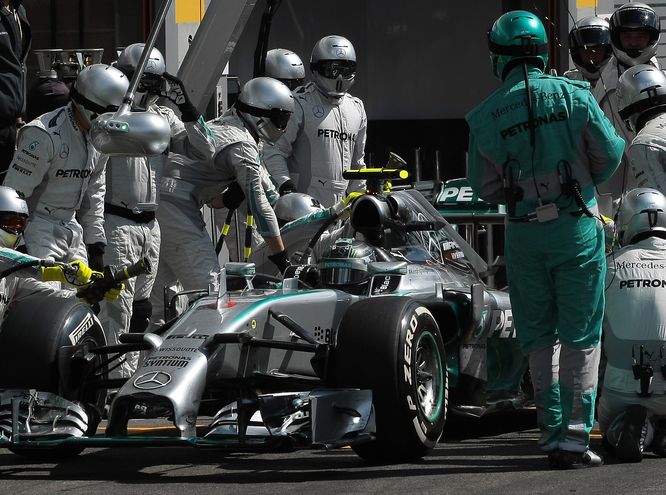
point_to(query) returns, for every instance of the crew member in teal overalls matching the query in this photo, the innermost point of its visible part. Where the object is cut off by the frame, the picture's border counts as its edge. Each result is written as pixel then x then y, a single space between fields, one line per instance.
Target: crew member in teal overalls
pixel 540 144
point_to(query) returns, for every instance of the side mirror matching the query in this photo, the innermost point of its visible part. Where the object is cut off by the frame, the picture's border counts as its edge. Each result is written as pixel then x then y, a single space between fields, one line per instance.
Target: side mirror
pixel 130 134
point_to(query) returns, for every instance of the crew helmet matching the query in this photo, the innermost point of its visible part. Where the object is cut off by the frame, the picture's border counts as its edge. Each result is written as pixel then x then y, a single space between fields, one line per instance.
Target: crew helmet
pixel 590 33
pixel 98 88
pixel 517 36
pixel 641 214
pixel 295 205
pixel 151 79
pixel 13 217
pixel 641 88
pixel 333 65
pixel 286 67
pixel 344 266
pixel 266 105
pixel 634 16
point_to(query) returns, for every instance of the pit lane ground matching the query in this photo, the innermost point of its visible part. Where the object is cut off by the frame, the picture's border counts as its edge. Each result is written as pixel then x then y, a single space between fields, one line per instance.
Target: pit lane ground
pixel 494 455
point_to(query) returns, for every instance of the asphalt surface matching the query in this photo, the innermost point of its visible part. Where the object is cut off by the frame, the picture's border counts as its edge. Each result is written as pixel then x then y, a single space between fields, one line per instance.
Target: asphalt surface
pixel 493 455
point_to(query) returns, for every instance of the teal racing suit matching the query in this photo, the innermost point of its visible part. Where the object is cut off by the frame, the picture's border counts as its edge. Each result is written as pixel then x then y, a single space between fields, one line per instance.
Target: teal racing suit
pixel 555 262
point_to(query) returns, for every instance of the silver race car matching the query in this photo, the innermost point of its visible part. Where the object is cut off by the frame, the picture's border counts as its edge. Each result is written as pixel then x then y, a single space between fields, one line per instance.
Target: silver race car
pixel 358 348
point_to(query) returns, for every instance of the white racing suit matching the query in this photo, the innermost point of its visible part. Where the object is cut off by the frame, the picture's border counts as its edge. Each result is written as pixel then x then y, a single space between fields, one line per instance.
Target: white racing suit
pixel 324 137
pixel 605 92
pixel 187 252
pixel 635 316
pixel 133 232
pixel 61 176
pixel 647 154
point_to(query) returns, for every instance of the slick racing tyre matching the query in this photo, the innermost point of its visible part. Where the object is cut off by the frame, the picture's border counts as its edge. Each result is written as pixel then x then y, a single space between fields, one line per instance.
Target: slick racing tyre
pixel 393 346
pixel 33 338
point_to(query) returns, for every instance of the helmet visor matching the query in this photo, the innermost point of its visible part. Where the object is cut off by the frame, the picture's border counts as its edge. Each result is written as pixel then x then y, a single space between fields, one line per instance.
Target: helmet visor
pixel 278 117
pixel 587 37
pixel 13 222
pixel 636 19
pixel 331 69
pixel 343 276
pixel 151 83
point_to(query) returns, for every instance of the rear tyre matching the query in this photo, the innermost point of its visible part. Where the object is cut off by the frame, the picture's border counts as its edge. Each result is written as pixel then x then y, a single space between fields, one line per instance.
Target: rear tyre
pixel 393 346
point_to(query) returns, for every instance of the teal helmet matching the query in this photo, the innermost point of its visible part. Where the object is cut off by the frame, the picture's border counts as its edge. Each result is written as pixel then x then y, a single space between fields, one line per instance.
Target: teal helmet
pixel 517 35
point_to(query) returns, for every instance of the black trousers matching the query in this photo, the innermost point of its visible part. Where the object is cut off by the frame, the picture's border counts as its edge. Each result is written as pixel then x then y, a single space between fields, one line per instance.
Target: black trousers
pixel 7 144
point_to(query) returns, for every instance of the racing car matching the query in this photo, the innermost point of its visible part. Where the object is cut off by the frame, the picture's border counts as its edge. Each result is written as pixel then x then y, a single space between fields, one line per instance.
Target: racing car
pixel 263 363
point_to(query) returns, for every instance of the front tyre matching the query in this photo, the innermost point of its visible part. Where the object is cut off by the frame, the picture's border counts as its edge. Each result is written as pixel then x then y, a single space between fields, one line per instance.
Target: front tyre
pixel 393 346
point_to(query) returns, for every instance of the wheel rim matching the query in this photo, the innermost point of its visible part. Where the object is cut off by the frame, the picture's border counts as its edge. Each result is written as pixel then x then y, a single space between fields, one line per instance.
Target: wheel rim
pixel 429 377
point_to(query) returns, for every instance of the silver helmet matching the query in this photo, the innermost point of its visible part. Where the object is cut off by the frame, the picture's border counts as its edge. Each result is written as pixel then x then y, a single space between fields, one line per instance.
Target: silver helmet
pixel 641 88
pixel 151 82
pixel 634 17
pixel 295 205
pixel 285 66
pixel 591 34
pixel 13 217
pixel 643 211
pixel 266 105
pixel 98 88
pixel 333 65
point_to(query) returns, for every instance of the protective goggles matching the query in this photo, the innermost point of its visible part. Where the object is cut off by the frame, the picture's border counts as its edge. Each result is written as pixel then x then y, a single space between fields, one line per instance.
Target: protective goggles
pixel 13 222
pixel 95 108
pixel 331 69
pixel 278 117
pixel 151 83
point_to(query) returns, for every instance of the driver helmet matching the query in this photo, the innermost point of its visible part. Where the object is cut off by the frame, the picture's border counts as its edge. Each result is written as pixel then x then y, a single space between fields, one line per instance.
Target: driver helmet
pixel 641 90
pixel 642 214
pixel 265 104
pixel 333 65
pixel 634 17
pixel 517 37
pixel 98 88
pixel 13 217
pixel 151 82
pixel 344 266
pixel 295 205
pixel 286 67
pixel 593 35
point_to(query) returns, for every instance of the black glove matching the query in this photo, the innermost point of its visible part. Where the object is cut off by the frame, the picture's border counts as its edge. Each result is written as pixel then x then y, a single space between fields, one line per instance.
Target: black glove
pixel 177 94
pixel 96 256
pixel 287 187
pixel 281 260
pixel 233 196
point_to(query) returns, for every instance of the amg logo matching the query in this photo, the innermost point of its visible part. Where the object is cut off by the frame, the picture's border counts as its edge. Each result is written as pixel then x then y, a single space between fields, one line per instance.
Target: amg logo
pixel 181 336
pixel 74 173
pixel 637 283
pixel 23 150
pixel 83 327
pixel 167 362
pixel 332 133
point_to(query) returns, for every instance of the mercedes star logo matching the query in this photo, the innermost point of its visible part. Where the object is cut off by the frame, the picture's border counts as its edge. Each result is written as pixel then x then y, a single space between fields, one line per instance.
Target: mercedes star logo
pixel 150 381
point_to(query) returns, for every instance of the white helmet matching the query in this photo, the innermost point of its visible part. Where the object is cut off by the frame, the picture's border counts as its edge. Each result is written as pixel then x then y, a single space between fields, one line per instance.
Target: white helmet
pixel 98 88
pixel 13 217
pixel 285 66
pixel 590 33
pixel 641 90
pixel 266 105
pixel 295 205
pixel 643 211
pixel 151 82
pixel 333 65
pixel 634 16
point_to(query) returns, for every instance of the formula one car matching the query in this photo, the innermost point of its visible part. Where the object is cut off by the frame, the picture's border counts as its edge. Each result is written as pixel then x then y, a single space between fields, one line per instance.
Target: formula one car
pixel 260 363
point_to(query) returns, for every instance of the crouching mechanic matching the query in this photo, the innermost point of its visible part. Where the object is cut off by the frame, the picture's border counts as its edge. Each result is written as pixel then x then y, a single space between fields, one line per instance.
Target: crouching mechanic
pixel 132 195
pixel 188 254
pixel 13 219
pixel 632 408
pixel 61 175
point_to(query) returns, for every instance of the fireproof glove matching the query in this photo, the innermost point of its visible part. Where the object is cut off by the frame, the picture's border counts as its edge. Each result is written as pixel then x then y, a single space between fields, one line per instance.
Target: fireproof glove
pixel 281 260
pixel 286 188
pixel 177 94
pixel 77 273
pixel 233 196
pixel 96 256
pixel 114 292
